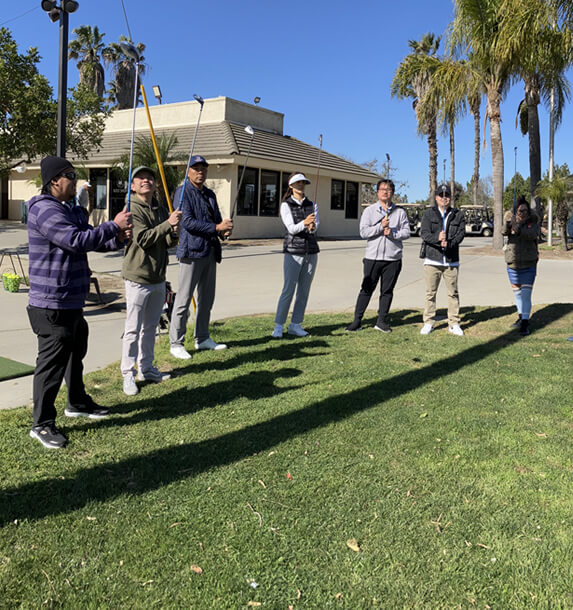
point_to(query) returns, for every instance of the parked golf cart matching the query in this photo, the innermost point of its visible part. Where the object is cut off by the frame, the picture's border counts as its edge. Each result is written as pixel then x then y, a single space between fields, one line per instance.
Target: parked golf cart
pixel 479 220
pixel 414 212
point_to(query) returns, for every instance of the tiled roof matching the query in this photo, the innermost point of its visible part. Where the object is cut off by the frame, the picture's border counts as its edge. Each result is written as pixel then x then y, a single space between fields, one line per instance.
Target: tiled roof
pixel 220 140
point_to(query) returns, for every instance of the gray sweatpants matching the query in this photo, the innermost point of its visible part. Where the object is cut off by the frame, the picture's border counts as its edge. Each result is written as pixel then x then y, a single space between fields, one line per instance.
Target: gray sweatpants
pixel 200 273
pixel 298 274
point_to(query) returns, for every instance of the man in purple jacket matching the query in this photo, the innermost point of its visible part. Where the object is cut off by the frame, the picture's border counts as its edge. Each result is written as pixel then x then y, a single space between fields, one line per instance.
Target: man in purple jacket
pixel 59 238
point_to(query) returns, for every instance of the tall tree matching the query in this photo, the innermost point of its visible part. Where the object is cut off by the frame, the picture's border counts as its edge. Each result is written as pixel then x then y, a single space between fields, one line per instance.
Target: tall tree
pixel 86 48
pixel 28 126
pixel 560 191
pixel 121 91
pixel 540 50
pixel 475 33
pixel 413 79
pixel 26 108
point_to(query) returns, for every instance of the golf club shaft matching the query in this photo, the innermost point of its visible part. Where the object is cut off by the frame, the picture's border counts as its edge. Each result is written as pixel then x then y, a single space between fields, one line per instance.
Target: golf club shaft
pixel 314 201
pixel 242 176
pixel 156 150
pixel 128 204
pixel 190 156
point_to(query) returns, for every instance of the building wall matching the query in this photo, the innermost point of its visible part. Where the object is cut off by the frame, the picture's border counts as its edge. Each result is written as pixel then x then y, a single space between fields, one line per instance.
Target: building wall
pixel 21 187
pixel 215 110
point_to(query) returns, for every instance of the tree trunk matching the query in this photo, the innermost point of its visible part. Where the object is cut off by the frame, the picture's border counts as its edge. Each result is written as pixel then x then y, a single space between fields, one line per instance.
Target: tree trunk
pixel 532 101
pixel 433 152
pixel 563 230
pixel 494 115
pixel 475 110
pixel 452 164
pixel 124 82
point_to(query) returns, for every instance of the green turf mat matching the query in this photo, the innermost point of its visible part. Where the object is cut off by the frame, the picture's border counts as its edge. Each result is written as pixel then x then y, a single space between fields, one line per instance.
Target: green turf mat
pixel 10 369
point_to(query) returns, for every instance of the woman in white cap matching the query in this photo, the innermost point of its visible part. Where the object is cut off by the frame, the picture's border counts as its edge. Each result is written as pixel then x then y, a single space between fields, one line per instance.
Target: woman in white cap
pixel 300 249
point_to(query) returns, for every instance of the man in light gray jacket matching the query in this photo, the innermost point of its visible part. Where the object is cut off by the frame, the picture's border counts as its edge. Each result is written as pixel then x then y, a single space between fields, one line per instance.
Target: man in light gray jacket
pixel 384 226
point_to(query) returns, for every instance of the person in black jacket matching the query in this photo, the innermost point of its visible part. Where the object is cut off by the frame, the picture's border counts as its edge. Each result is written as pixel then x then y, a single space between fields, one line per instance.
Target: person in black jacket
pixel 443 229
pixel 300 249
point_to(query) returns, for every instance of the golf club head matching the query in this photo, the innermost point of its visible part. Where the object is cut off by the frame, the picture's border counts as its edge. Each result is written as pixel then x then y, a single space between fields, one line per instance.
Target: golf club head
pixel 250 130
pixel 129 50
pixel 199 99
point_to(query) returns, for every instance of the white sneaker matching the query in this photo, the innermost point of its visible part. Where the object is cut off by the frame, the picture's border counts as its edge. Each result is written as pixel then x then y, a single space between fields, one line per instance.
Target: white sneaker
pixel 129 386
pixel 154 375
pixel 209 344
pixel 178 351
pixel 278 331
pixel 427 329
pixel 297 330
pixel 456 329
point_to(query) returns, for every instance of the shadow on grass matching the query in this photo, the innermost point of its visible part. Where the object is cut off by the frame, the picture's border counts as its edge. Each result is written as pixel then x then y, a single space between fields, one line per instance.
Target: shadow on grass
pixel 253 386
pixel 281 351
pixel 164 466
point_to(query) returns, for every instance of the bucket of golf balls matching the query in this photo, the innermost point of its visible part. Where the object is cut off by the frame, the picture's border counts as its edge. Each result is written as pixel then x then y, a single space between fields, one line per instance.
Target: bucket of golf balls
pixel 11 282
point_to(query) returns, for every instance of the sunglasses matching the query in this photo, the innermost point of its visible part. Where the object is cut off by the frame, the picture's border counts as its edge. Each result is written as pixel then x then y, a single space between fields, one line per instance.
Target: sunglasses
pixel 69 175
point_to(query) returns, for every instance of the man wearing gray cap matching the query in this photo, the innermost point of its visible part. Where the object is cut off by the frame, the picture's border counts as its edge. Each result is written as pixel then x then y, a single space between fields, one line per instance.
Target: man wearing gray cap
pixel 443 229
pixel 199 251
pixel 59 239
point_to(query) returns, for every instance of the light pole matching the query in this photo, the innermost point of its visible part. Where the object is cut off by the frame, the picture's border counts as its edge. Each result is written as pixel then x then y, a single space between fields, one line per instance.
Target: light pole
pixel 60 13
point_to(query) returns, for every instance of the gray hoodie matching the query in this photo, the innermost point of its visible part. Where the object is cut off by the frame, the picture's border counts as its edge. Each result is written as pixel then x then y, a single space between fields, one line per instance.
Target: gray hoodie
pixel 378 247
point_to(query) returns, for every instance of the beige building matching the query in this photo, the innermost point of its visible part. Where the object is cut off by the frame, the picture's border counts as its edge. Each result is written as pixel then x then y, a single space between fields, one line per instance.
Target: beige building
pixel 222 140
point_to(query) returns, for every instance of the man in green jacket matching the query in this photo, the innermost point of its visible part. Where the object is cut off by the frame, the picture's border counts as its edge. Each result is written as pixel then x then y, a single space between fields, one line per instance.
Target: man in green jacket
pixel 144 267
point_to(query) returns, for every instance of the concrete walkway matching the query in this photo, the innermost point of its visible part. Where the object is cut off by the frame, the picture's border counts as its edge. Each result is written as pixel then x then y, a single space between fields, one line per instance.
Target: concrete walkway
pixel 249 281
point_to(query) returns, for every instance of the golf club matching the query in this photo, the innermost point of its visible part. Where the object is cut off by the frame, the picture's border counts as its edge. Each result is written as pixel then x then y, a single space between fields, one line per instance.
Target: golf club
pixel 314 201
pixel 201 101
pixel 130 51
pixel 251 132
pixel 156 149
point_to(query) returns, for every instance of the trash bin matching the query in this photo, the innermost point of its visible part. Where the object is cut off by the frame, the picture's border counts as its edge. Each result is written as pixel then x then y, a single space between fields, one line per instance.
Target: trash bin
pixel 24 213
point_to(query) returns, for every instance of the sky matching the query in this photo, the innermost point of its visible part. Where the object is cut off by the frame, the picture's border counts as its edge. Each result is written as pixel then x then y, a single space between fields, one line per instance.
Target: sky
pixel 327 66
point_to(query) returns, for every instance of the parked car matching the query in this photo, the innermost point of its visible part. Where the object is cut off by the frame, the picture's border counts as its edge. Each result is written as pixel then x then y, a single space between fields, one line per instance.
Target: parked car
pixel 479 220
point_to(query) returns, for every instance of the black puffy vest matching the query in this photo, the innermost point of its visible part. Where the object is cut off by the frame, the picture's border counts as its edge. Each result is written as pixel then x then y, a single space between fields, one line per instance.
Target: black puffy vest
pixel 303 242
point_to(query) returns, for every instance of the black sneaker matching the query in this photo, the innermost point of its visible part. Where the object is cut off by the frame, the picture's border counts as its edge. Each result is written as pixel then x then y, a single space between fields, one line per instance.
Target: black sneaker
pixel 90 409
pixel 524 328
pixel 383 327
pixel 517 323
pixel 49 436
pixel 355 325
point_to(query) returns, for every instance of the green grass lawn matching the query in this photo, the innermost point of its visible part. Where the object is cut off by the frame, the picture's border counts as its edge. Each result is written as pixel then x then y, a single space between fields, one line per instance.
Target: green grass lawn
pixel 341 470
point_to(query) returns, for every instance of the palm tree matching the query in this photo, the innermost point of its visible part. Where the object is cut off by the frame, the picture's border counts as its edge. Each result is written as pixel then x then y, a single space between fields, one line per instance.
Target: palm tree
pixel 144 154
pixel 475 32
pixel 560 191
pixel 86 48
pixel 413 79
pixel 121 90
pixel 541 53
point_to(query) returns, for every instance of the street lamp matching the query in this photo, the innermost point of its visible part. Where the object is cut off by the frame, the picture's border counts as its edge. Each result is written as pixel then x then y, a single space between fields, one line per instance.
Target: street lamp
pixel 157 92
pixel 61 13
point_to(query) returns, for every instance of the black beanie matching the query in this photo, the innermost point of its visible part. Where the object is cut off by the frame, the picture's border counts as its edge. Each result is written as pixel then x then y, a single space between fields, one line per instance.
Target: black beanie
pixel 51 167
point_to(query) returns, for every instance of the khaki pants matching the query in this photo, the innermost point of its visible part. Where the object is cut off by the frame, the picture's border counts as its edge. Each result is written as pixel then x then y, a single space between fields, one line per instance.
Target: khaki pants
pixel 432 275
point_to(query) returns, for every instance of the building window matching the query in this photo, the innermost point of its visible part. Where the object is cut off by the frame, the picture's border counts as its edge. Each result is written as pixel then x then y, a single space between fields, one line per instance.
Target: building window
pixel 270 194
pixel 351 200
pixel 284 184
pixel 344 196
pixel 118 192
pixel 337 195
pixel 247 203
pixel 261 192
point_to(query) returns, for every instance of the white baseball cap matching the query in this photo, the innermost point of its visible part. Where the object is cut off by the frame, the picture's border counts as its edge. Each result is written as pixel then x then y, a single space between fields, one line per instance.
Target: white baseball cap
pixel 298 178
